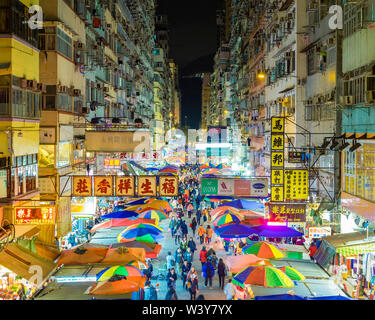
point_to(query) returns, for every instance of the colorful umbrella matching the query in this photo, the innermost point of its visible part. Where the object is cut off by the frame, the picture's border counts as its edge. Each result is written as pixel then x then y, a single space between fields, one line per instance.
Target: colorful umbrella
pixel 148 226
pixel 139 234
pixel 280 297
pixel 221 213
pixel 113 223
pixel 263 249
pixel 292 273
pixel 234 230
pixel 226 218
pixel 153 214
pixel 113 286
pixel 277 231
pixel 122 270
pixel 223 209
pixel 237 263
pixel 120 215
pixel 244 204
pixel 265 276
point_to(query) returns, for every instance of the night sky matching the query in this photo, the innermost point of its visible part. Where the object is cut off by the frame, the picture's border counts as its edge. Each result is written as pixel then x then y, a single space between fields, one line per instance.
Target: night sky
pixel 192 42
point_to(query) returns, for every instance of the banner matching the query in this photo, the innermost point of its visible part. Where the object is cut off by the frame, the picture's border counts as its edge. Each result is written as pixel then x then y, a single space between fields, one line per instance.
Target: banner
pixel 287 212
pixel 256 188
pixel 242 188
pixel 36 215
pixel 225 187
pixel 209 186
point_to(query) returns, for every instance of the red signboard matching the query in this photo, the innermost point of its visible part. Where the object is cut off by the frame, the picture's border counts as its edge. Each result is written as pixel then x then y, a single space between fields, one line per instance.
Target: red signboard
pixel 287 212
pixel 242 188
pixel 40 215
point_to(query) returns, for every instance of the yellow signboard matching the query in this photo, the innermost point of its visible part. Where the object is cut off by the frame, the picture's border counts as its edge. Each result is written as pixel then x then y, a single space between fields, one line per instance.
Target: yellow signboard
pixel 277 194
pixel 146 186
pixel 277 142
pixel 296 184
pixel 82 186
pixel 103 186
pixel 125 186
pixel 277 159
pixel 278 125
pixel 277 176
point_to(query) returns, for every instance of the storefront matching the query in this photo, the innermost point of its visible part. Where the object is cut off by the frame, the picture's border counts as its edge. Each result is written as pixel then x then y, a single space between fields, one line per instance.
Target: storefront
pixel 350 259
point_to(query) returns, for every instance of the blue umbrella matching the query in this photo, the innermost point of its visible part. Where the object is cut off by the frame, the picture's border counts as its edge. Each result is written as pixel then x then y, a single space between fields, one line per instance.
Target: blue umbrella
pixel 234 230
pixel 135 202
pixel 119 207
pixel 276 231
pixel 244 204
pixel 120 215
pixel 280 297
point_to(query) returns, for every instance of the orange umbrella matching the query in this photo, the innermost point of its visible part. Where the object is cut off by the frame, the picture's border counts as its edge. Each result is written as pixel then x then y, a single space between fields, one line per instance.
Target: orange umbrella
pixel 124 255
pixel 114 286
pixel 237 263
pixel 82 255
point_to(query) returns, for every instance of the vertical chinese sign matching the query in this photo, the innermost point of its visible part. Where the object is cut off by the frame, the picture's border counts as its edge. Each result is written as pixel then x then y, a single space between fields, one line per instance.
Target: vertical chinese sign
pixel 296 184
pixel 168 186
pixel 125 186
pixel 103 186
pixel 146 186
pixel 82 186
pixel 277 159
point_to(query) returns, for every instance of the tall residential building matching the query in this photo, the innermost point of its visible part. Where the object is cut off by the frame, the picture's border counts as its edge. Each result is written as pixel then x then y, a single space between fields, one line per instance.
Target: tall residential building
pixel 206 96
pixel 176 94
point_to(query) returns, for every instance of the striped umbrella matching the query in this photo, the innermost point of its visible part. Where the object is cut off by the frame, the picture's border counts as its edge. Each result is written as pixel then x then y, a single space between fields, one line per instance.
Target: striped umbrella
pixel 139 234
pixel 263 249
pixel 292 273
pixel 226 218
pixel 148 226
pixel 220 213
pixel 122 270
pixel 153 214
pixel 265 276
pixel 139 264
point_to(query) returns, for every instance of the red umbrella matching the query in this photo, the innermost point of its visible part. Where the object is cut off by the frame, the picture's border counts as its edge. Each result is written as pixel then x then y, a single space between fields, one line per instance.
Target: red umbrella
pixel 120 223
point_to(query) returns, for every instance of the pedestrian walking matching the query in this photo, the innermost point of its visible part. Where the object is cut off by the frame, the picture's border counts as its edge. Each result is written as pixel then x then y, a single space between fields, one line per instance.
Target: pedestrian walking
pixel 189 255
pixel 183 245
pixel 230 290
pixel 150 291
pixel 203 256
pixel 190 209
pixel 172 225
pixel 172 278
pixel 199 215
pixel 179 257
pixel 178 234
pixel 208 273
pixel 184 272
pixel 193 287
pixel 171 261
pixel 312 250
pixel 209 233
pixel 201 234
pixel 171 294
pixel 194 225
pixel 222 272
pixel 192 270
pixel 192 245
pixel 184 229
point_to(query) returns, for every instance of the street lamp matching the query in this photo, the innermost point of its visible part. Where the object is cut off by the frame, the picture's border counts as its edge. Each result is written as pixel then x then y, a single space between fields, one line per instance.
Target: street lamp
pixel 261 75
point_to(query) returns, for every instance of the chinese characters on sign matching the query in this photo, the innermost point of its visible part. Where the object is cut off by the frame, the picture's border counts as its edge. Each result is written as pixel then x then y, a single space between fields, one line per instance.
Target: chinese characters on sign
pixel 252 188
pixel 39 215
pixel 168 186
pixel 319 232
pixel 103 186
pixel 146 186
pixel 112 164
pixel 287 212
pixel 296 184
pixel 125 186
pixel 82 186
pixel 277 159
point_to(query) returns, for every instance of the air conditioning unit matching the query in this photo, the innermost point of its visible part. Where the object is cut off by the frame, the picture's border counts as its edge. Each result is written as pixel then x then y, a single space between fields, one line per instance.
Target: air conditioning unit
pixel 30 84
pixel 76 92
pixel 348 100
pixel 80 46
pixel 106 89
pixel 370 96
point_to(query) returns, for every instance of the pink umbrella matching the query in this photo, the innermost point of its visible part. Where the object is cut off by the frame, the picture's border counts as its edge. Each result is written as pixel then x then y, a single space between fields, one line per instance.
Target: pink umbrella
pixel 237 263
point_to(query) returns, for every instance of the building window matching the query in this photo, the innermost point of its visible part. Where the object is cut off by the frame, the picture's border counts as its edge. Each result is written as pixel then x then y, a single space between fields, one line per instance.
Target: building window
pixel 64 44
pixel 4 101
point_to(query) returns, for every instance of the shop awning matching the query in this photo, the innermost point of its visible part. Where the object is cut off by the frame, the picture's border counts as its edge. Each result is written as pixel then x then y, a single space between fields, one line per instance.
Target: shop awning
pixel 19 260
pixel 357 249
pixel 26 231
